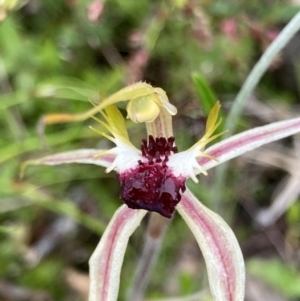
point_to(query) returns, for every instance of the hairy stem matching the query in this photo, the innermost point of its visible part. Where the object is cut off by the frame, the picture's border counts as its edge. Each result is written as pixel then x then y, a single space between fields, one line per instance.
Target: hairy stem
pixel 154 236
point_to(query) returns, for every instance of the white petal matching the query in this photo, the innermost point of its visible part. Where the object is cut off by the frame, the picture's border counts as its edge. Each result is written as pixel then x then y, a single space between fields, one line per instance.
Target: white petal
pixel 185 164
pixel 127 157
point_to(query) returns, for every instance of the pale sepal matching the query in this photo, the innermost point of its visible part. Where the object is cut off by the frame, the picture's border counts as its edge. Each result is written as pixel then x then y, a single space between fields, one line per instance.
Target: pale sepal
pixel 220 249
pixel 83 156
pixel 247 141
pixel 106 261
pixel 130 93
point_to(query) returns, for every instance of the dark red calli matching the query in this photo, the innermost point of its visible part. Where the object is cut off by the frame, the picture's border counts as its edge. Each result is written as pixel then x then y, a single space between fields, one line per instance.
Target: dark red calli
pixel 152 185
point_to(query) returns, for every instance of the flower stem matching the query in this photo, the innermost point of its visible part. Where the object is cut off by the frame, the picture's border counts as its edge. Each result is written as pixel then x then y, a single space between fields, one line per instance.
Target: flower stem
pixel 201 295
pixel 154 236
pixel 247 89
pixel 160 127
pixel 258 71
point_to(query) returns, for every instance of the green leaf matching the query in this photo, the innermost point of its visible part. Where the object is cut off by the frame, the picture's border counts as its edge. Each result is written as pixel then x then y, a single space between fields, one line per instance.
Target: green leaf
pixel 206 96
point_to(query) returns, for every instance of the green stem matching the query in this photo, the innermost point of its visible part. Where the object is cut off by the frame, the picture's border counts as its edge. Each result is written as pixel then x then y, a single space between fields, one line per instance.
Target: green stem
pixel 247 89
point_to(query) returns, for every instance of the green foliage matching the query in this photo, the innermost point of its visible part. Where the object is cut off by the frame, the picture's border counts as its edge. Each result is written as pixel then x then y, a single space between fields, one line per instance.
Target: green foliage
pixel 45 276
pixel 277 274
pixel 206 95
pixel 53 58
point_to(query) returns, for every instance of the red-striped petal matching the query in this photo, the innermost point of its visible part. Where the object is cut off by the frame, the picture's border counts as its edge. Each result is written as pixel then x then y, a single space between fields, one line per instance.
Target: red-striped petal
pixel 83 156
pixel 106 261
pixel 221 251
pixel 248 140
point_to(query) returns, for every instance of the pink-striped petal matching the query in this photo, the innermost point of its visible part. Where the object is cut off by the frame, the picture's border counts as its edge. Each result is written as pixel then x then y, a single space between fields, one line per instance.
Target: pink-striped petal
pixel 106 261
pixel 249 140
pixel 84 156
pixel 221 251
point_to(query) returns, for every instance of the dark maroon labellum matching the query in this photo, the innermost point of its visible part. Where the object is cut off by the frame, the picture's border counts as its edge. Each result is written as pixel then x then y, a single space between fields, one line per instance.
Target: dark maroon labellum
pixel 152 185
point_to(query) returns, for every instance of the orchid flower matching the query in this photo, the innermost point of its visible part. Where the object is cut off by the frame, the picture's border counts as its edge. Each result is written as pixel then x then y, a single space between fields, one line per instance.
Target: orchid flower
pixel 153 177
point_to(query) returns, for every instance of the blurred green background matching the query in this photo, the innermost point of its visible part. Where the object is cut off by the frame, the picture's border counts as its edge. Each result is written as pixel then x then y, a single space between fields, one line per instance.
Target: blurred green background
pixel 55 56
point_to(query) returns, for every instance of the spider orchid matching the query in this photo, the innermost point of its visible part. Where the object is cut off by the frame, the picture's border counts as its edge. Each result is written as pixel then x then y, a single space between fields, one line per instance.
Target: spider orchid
pixel 153 177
